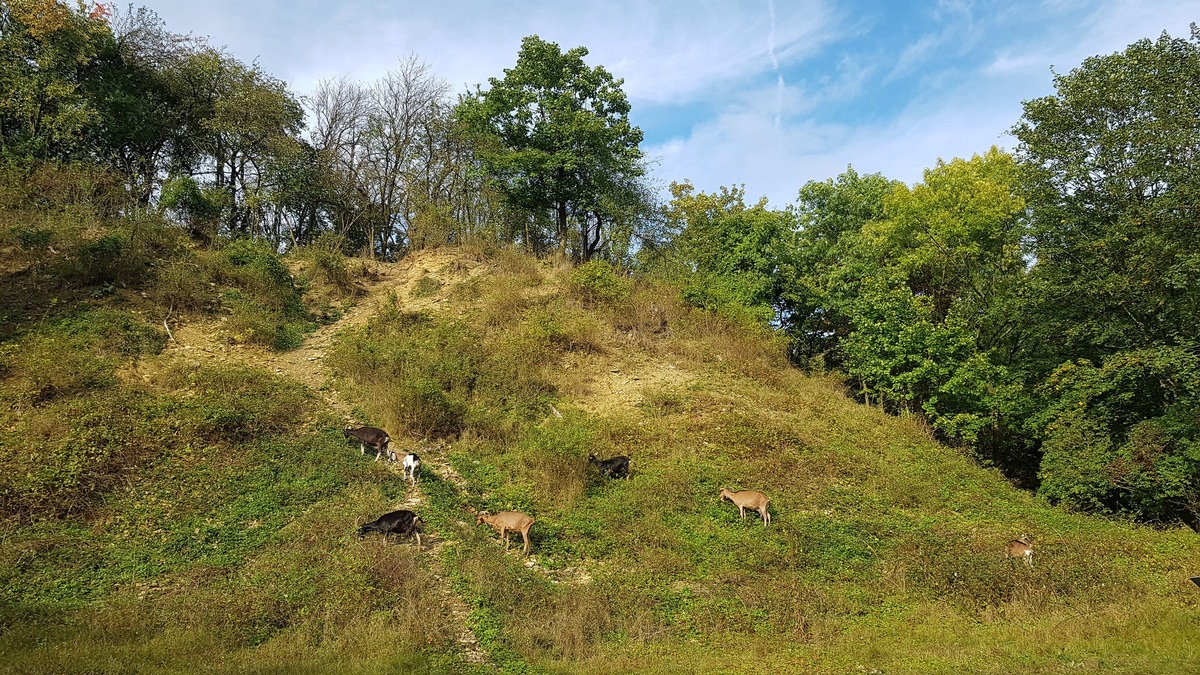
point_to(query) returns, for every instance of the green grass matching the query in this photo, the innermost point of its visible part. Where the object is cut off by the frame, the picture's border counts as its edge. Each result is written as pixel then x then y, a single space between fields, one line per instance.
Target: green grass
pixel 875 525
pixel 209 523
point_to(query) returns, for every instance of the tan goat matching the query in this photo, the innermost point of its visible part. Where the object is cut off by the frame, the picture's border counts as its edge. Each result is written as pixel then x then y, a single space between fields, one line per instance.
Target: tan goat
pixel 1020 548
pixel 749 499
pixel 508 521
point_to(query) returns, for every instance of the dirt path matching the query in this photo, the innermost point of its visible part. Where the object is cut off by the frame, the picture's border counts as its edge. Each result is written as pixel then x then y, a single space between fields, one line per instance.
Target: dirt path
pixel 201 342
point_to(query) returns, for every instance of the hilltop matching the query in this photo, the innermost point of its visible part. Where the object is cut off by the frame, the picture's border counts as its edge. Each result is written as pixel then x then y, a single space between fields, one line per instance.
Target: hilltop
pixel 178 496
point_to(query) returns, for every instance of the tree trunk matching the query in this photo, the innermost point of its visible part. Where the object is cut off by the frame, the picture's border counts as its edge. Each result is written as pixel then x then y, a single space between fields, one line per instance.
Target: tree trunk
pixel 562 226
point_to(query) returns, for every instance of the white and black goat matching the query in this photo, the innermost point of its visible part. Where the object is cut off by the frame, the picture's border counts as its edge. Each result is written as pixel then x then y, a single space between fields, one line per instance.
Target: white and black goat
pixel 412 467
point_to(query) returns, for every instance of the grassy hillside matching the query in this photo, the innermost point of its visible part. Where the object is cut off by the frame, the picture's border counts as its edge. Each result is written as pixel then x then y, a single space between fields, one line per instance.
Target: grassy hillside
pixel 186 502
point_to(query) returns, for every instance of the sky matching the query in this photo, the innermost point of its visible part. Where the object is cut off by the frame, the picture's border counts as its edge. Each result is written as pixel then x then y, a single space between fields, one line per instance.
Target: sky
pixel 765 94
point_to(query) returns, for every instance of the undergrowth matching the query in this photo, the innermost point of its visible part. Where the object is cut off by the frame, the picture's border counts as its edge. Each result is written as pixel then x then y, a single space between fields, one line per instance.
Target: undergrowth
pixel 208 521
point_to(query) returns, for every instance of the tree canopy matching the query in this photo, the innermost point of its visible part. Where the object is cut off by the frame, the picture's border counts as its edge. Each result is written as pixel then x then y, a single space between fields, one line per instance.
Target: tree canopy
pixel 559 139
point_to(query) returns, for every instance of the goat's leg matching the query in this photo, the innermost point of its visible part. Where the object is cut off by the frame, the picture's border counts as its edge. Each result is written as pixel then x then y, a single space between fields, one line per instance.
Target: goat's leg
pixel 504 534
pixel 742 511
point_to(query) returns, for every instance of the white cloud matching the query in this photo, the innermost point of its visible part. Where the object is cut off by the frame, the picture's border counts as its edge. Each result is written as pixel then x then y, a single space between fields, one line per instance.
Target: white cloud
pixel 666 51
pixel 966 65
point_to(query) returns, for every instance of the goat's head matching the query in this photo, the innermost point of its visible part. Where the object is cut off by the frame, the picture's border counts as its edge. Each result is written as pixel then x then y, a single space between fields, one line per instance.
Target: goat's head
pixel 725 493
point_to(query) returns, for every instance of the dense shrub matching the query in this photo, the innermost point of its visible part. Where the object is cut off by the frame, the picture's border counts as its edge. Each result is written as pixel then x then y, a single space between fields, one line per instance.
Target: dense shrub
pixel 597 281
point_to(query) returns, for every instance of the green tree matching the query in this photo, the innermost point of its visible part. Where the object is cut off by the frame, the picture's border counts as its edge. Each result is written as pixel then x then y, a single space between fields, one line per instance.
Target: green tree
pixel 1123 436
pixel 233 120
pixel 1114 298
pixel 1114 195
pixel 730 257
pixel 957 236
pixel 909 289
pixel 556 137
pixel 831 215
pixel 139 110
pixel 46 50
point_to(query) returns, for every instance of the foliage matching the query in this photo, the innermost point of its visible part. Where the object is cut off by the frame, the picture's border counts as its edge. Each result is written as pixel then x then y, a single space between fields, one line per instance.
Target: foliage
pixel 1110 307
pixel 831 215
pixel 1124 435
pixel 1113 199
pixel 199 209
pixel 729 257
pixel 47 48
pixel 265 304
pixel 597 281
pixel 556 137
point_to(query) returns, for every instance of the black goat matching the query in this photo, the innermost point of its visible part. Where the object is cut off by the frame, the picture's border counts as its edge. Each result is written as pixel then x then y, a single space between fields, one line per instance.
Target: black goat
pixel 396 522
pixel 376 438
pixel 617 467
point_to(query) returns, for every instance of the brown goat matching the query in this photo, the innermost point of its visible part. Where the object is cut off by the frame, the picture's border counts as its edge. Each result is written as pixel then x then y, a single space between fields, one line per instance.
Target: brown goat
pixel 749 499
pixel 508 521
pixel 1020 548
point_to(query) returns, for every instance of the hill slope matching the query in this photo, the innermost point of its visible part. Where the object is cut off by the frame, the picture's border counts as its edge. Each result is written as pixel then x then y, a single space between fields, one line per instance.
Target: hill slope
pixel 216 530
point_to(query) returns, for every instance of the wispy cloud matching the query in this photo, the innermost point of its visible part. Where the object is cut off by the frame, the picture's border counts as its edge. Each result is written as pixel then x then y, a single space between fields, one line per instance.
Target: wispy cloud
pixel 733 92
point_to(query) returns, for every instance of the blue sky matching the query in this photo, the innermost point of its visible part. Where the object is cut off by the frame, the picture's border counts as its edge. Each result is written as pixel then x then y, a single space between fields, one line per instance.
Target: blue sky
pixel 763 93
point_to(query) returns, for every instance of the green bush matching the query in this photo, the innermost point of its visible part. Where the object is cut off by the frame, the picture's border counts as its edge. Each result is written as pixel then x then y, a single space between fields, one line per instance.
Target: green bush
pixel 597 281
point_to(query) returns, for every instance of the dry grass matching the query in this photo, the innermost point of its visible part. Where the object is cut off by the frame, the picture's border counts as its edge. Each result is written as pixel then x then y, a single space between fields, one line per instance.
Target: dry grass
pixel 884 551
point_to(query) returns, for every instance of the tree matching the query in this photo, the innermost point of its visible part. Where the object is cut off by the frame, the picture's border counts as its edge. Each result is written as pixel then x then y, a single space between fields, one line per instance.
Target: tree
pixel 729 256
pixel 46 50
pixel 957 237
pixel 1114 298
pixel 909 289
pixel 233 119
pixel 556 137
pixel 831 215
pixel 139 110
pixel 387 144
pixel 1110 166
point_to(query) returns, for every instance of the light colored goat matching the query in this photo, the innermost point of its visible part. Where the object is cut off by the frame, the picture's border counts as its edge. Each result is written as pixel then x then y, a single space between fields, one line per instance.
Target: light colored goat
pixel 1020 548
pixel 749 499
pixel 412 467
pixel 508 521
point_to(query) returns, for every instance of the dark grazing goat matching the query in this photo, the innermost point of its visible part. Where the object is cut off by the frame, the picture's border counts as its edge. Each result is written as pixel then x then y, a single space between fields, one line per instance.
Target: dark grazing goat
pixel 617 467
pixel 376 438
pixel 396 522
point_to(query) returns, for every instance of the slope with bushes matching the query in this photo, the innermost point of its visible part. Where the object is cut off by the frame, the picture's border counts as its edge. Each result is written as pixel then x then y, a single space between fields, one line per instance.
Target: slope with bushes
pixel 202 515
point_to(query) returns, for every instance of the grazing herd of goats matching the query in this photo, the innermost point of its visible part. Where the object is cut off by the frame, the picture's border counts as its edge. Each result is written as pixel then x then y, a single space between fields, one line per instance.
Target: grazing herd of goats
pixel 407 523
